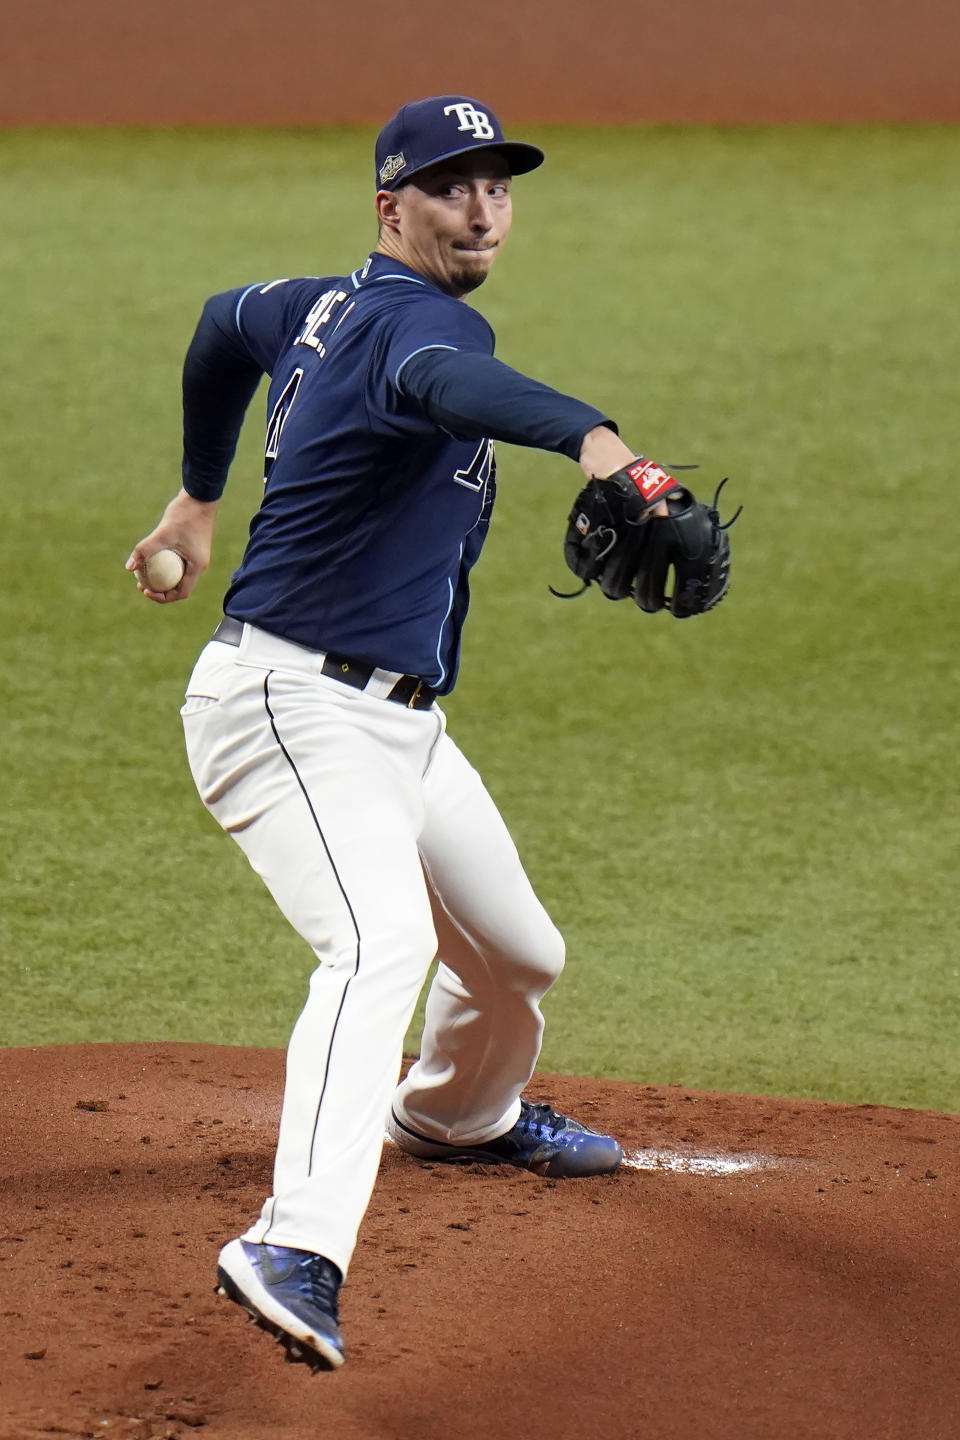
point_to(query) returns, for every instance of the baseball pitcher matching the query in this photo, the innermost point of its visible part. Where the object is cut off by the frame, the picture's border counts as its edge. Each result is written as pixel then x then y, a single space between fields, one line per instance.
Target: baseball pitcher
pixel 312 721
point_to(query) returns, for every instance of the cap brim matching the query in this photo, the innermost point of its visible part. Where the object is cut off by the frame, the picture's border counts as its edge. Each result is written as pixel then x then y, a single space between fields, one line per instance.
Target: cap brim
pixel 521 157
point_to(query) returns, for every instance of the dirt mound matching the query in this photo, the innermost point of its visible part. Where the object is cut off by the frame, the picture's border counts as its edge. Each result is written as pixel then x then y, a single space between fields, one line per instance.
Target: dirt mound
pixel 760 1268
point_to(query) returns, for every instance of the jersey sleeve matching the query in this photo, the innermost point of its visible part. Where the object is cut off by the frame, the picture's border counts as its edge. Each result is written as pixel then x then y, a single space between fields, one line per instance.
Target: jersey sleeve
pixel 426 324
pixel 473 396
pixel 239 336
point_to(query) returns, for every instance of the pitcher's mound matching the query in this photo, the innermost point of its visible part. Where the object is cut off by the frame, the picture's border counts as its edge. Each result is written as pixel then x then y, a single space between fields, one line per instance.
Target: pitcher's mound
pixel 759 1269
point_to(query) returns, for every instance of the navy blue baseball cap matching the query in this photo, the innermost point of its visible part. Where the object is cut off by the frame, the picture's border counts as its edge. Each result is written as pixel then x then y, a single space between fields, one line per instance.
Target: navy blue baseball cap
pixel 440 128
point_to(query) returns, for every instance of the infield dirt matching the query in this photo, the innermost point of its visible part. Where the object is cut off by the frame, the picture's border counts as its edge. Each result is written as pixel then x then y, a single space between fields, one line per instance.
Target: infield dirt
pixel 785 1269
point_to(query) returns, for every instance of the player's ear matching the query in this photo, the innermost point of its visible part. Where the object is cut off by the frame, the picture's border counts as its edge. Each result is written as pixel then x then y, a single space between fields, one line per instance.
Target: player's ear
pixel 388 210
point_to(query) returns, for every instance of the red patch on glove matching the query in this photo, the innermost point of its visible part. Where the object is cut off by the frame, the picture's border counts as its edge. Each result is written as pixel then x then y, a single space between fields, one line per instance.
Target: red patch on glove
pixel 651 480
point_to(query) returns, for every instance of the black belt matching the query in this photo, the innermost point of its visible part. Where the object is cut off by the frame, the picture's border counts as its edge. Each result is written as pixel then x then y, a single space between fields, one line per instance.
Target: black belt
pixel 409 690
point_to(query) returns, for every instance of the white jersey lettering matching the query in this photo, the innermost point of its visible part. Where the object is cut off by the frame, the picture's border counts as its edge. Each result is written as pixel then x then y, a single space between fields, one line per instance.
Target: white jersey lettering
pixel 318 315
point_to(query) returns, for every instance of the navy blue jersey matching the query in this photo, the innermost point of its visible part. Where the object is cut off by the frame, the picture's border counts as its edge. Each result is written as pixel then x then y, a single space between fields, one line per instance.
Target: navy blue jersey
pixel 377 497
pixel 371 517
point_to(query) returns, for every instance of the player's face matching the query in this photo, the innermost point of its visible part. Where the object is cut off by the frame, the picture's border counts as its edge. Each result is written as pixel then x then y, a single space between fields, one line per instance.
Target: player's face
pixel 452 220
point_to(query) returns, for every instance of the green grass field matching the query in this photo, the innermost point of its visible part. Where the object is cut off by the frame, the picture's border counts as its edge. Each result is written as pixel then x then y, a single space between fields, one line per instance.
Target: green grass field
pixel 746 825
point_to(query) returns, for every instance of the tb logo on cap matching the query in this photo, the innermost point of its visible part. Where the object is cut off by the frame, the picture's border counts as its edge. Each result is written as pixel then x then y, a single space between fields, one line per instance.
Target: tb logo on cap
pixel 472 119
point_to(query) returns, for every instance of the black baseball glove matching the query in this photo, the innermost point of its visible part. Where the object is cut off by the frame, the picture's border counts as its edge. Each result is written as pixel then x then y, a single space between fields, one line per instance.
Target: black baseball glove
pixel 614 539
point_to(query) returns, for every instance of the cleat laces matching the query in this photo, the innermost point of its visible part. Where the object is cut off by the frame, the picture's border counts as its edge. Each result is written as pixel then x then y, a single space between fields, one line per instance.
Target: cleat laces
pixel 540 1120
pixel 319 1282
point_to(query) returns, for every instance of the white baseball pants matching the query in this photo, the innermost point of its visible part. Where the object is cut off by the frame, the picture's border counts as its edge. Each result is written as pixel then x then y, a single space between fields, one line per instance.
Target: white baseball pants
pixel 381 846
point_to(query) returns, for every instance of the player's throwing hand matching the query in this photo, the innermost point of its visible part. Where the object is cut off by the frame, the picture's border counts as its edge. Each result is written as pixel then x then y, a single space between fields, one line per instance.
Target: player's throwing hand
pixel 187 530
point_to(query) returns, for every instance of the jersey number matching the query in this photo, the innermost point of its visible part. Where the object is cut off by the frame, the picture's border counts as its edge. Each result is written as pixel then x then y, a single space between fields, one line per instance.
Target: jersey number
pixel 280 412
pixel 477 473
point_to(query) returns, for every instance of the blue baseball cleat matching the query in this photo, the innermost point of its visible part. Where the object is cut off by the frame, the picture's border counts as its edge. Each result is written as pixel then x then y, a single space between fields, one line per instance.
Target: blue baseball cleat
pixel 541 1140
pixel 292 1294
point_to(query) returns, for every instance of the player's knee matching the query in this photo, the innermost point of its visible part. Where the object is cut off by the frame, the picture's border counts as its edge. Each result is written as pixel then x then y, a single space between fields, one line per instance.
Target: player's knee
pixel 542 960
pixel 387 955
pixel 554 954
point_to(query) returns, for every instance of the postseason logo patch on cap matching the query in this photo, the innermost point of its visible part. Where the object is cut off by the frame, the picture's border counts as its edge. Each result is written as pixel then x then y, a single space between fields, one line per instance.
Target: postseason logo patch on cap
pixel 391 167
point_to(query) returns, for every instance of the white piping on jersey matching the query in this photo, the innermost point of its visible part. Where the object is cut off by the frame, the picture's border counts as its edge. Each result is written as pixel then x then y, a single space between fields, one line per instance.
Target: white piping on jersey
pixel 442 667
pixel 342 318
pixel 236 313
pixel 396 378
pixel 392 275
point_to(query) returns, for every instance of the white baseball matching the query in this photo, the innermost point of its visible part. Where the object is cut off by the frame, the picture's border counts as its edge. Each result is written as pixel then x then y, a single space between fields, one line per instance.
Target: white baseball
pixel 163 571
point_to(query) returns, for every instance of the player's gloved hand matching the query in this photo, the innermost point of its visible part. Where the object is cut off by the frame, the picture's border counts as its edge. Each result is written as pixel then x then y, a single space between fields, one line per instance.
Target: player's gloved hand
pixel 609 523
pixel 628 531
pixel 187 528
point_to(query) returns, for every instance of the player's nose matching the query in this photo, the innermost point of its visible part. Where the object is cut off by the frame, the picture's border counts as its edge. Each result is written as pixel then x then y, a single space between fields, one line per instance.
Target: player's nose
pixel 481 212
